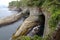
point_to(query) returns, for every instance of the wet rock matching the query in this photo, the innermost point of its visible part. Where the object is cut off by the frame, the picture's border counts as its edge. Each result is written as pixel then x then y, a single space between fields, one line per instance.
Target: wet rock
pixel 13 18
pixel 33 31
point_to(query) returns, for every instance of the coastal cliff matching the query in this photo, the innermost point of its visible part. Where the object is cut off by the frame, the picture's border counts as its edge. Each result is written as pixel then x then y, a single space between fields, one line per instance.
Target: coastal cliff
pixel 51 11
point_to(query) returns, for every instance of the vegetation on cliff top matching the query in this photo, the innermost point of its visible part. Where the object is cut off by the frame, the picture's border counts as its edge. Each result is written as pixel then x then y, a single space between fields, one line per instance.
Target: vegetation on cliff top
pixel 14 4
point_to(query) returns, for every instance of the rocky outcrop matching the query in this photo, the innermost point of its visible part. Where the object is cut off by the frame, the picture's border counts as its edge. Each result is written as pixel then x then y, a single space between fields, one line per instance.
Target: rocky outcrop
pixel 12 18
pixel 33 31
pixel 15 9
pixel 46 28
pixel 32 21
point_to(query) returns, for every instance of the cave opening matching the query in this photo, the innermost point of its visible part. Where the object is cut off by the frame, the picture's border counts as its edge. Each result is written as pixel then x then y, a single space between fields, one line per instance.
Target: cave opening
pixel 27 14
pixel 42 24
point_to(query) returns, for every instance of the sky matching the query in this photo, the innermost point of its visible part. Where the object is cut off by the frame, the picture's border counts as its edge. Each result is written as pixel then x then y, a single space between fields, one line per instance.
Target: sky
pixel 5 2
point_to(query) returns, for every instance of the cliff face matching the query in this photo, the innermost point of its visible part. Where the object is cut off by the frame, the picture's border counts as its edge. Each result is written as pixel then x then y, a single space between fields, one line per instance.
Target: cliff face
pixel 31 21
pixel 49 8
pixel 46 27
pixel 34 20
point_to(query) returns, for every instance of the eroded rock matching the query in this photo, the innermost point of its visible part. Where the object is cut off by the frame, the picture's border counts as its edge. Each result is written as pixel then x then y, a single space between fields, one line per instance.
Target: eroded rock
pixel 12 18
pixel 30 22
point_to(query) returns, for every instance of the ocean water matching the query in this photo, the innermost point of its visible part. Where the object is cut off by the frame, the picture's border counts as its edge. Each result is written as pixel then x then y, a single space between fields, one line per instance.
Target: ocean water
pixel 7 30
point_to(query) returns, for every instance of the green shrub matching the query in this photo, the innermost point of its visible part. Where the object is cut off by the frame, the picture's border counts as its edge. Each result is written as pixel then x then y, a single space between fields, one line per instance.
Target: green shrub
pixel 55 18
pixel 25 38
pixel 37 38
pixel 31 2
pixel 33 38
pixel 28 38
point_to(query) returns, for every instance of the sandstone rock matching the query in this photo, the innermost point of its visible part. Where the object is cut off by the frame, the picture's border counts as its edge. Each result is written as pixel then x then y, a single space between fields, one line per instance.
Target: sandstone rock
pixel 30 22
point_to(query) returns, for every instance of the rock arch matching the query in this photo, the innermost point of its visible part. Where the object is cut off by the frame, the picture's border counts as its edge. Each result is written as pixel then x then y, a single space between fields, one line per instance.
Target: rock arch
pixel 46 28
pixel 33 20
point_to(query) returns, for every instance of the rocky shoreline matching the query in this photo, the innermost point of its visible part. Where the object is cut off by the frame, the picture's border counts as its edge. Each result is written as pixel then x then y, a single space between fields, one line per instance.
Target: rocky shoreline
pixel 13 18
